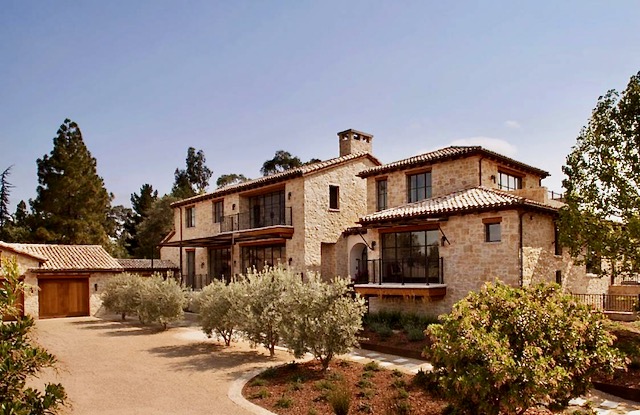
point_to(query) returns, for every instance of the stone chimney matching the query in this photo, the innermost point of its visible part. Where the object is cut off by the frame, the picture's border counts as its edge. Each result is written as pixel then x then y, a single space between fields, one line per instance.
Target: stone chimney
pixel 354 141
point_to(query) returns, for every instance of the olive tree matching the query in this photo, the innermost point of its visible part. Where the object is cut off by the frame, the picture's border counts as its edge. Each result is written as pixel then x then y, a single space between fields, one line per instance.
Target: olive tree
pixel 264 303
pixel 121 294
pixel 324 318
pixel 161 301
pixel 218 305
pixel 505 349
pixel 20 359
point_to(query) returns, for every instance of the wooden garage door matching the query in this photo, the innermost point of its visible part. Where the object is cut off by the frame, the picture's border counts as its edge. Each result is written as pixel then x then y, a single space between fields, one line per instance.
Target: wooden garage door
pixel 63 297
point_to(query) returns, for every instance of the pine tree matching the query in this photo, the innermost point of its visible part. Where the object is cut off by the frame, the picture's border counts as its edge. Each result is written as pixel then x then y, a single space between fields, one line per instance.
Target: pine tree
pixel 602 217
pixel 72 205
pixel 142 205
pixel 155 227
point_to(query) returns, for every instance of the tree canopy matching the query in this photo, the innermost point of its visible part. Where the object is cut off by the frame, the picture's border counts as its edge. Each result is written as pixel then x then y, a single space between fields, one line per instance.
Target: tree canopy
pixel 229 179
pixel 194 179
pixel 72 205
pixel 155 227
pixel 602 216
pixel 283 160
pixel 5 190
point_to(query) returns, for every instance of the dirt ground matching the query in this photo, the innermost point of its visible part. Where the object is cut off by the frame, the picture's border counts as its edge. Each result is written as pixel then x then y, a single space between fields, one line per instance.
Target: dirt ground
pixel 109 367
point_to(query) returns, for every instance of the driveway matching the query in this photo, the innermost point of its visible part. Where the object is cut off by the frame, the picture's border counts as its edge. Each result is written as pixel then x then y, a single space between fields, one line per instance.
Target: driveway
pixel 111 367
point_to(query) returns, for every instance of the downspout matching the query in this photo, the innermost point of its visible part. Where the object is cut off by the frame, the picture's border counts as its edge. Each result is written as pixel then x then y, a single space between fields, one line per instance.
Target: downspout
pixel 181 274
pixel 480 171
pixel 520 216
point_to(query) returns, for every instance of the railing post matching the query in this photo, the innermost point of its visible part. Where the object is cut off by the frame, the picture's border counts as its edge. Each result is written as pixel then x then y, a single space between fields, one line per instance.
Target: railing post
pixel 603 302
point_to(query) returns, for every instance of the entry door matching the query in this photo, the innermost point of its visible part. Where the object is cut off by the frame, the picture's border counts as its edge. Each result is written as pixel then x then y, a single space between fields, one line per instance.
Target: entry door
pixel 63 297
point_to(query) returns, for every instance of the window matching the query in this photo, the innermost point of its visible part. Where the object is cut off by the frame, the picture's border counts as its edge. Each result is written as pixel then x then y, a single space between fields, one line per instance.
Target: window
pixel 264 255
pixel 559 277
pixel 508 181
pixel 381 194
pixel 191 268
pixel 492 232
pixel 334 197
pixel 218 211
pixel 418 186
pixel 190 219
pixel 411 256
pixel 593 263
pixel 267 210
pixel 556 242
pixel 220 264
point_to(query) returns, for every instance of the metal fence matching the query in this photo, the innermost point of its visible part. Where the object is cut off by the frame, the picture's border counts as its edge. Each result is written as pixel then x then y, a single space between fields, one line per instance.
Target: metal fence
pixel 606 302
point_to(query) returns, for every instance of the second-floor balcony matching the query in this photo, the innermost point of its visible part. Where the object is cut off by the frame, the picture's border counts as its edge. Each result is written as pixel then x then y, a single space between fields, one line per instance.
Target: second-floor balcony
pixel 255 220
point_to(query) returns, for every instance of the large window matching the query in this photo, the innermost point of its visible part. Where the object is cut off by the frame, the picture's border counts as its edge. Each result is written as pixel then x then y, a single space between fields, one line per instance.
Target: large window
pixel 220 264
pixel 264 255
pixel 381 194
pixel 267 209
pixel 218 211
pixel 334 197
pixel 418 186
pixel 508 181
pixel 190 217
pixel 411 256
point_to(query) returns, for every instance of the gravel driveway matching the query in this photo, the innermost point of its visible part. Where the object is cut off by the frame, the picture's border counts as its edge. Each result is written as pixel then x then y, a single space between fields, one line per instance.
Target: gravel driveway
pixel 110 367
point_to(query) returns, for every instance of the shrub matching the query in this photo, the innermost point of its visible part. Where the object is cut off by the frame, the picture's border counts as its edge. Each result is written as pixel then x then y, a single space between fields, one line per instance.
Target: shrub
pixel 217 303
pixel 323 320
pixel 283 402
pixel 382 329
pixel 372 366
pixel 506 349
pixel 263 304
pixel 340 399
pixel 161 301
pixel 121 294
pixel 415 334
pixel 20 359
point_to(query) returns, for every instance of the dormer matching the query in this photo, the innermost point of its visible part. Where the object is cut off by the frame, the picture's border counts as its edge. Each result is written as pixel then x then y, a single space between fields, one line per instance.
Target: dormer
pixel 354 141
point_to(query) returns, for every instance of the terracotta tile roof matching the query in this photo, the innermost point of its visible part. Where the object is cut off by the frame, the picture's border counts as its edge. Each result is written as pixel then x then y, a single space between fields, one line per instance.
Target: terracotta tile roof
pixel 68 257
pixel 449 153
pixel 276 178
pixel 468 200
pixel 146 264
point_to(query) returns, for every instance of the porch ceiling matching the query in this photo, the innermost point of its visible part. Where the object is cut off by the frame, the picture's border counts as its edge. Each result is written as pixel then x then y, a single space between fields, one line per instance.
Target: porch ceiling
pixel 227 238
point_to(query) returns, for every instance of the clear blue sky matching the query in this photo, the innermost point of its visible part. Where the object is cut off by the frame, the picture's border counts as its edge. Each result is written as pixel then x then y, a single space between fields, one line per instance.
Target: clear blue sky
pixel 241 79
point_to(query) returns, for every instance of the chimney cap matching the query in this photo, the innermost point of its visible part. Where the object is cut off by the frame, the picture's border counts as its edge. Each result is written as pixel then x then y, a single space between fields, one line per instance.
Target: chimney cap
pixel 351 130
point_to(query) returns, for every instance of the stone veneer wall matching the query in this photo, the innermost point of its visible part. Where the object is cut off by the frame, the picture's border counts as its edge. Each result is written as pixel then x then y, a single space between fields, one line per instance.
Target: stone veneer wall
pixel 324 225
pixel 446 177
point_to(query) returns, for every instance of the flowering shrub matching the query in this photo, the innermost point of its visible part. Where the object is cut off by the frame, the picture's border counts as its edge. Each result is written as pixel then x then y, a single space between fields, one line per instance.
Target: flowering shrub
pixel 505 349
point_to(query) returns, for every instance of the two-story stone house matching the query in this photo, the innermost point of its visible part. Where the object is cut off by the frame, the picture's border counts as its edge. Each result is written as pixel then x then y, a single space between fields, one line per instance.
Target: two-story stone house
pixel 294 218
pixel 440 224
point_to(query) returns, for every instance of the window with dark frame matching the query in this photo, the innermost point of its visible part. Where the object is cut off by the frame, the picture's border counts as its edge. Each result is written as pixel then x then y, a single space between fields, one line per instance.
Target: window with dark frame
pixel 381 194
pixel 493 232
pixel 263 255
pixel 556 242
pixel 218 211
pixel 559 277
pixel 334 197
pixel 508 181
pixel 190 217
pixel 220 263
pixel 418 186
pixel 593 263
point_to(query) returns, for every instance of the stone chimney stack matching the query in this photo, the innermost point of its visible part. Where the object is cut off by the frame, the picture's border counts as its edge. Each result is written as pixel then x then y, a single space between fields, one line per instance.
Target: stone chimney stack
pixel 354 141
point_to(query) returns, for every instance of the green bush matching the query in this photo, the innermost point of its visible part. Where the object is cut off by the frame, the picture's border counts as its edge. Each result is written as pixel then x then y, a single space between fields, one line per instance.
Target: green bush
pixel 506 349
pixel 340 399
pixel 121 294
pixel 381 329
pixel 20 359
pixel 218 305
pixel 415 334
pixel 161 301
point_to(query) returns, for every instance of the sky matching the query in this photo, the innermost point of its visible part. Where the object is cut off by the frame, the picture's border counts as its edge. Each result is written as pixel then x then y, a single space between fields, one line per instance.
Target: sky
pixel 240 80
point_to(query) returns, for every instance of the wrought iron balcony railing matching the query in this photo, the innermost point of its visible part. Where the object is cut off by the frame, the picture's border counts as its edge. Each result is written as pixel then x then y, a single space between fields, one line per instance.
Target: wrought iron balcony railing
pixel 250 220
pixel 403 271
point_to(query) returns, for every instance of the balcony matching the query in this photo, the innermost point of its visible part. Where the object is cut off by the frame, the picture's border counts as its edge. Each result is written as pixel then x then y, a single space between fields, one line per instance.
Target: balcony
pixel 401 278
pixel 250 220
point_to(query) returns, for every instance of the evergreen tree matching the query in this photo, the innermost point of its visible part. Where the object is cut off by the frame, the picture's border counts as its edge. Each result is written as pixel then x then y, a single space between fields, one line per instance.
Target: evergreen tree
pixel 194 179
pixel 283 160
pixel 142 204
pixel 72 205
pixel 602 216
pixel 229 179
pixel 5 189
pixel 155 227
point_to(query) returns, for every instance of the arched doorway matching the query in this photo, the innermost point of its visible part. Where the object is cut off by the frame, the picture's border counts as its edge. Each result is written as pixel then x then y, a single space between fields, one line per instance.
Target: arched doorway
pixel 358 264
